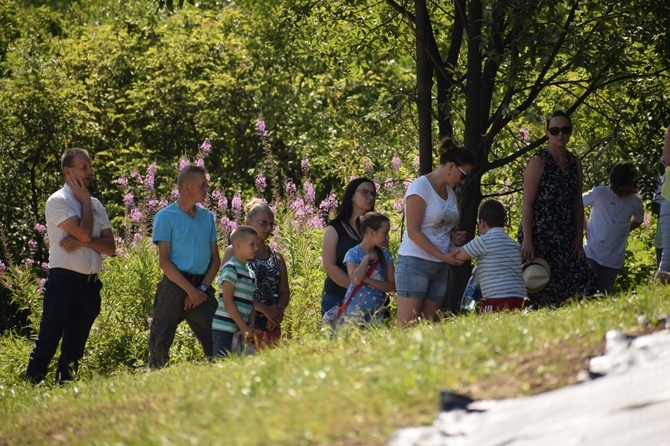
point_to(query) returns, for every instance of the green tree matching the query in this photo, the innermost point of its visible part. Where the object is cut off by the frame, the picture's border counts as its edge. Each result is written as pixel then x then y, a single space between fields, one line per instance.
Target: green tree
pixel 485 69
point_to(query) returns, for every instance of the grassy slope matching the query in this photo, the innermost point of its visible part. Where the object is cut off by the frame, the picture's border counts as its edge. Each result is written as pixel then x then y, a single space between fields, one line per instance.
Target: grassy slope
pixel 356 390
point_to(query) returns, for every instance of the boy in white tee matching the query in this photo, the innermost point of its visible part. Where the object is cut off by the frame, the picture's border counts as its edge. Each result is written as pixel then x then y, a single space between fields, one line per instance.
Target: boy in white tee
pixel 612 208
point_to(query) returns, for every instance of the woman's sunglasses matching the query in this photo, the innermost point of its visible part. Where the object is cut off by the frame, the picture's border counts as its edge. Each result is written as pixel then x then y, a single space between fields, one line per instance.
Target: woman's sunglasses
pixel 565 130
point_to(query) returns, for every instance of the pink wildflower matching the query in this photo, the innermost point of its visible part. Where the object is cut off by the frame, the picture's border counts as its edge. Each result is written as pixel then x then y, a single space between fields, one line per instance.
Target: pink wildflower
pixel 304 165
pixel 32 243
pixel 183 163
pixel 261 183
pixel 298 206
pixel 129 200
pixel 260 127
pixel 150 176
pixel 395 163
pixel 123 181
pixel 175 194
pixel 236 204
pixel 315 222
pixel 329 204
pixel 135 214
pixel 309 191
pixel 40 228
pixel 206 148
pixel 388 184
pixel 524 133
pixel 291 188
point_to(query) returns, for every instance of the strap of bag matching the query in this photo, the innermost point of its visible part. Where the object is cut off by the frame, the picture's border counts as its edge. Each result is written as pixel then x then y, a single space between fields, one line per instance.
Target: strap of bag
pixel 345 304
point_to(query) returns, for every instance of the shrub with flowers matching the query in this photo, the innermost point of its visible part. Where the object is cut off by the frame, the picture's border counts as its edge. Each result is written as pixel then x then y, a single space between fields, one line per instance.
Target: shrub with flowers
pixel 119 337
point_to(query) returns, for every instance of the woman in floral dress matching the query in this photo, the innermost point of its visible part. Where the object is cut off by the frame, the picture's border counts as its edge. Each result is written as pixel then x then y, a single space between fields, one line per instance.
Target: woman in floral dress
pixel 552 221
pixel 272 288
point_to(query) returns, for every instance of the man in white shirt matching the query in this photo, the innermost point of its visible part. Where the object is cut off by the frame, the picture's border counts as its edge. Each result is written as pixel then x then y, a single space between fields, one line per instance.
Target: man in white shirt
pixel 615 211
pixel 79 233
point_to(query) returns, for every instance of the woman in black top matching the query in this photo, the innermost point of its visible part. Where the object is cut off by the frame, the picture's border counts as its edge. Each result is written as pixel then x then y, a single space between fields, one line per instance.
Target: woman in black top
pixel 341 235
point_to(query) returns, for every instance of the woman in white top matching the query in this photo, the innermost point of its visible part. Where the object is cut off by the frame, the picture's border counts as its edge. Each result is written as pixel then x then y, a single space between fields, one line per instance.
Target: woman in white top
pixel 431 213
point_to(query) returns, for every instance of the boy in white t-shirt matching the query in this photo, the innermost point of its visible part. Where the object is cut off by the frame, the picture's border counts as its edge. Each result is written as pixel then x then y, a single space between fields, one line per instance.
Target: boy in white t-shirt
pixel 612 208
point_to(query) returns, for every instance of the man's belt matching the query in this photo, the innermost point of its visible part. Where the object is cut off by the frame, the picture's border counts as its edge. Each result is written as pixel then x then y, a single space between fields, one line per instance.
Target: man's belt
pixel 195 279
pixel 89 278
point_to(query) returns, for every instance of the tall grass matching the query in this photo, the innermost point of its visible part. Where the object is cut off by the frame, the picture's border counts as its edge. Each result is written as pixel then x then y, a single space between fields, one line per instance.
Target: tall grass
pixel 356 389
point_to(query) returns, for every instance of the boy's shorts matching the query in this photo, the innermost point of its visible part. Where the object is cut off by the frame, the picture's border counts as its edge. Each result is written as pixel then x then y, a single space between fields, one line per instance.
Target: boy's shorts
pixel 421 279
pixel 504 303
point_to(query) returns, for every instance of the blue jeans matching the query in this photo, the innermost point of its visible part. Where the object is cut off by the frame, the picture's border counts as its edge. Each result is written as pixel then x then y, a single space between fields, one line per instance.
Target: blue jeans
pixel 664 223
pixel 223 343
pixel 328 301
pixel 420 278
pixel 69 309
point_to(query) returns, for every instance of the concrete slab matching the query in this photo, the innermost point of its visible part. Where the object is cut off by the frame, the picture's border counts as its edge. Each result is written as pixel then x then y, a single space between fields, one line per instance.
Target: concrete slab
pixel 628 406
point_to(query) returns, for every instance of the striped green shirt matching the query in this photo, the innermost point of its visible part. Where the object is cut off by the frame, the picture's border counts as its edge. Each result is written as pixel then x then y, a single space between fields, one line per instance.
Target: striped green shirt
pixel 244 280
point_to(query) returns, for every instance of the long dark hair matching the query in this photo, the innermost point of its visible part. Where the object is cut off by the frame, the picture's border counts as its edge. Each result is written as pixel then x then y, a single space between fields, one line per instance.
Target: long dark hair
pixel 373 220
pixel 346 205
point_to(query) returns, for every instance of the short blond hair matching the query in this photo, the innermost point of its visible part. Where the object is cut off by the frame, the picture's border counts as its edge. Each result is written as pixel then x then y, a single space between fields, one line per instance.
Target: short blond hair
pixel 189 172
pixel 241 232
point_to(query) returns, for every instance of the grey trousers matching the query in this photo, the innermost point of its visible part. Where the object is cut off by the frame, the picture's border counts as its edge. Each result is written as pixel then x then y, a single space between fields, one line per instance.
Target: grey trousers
pixel 169 312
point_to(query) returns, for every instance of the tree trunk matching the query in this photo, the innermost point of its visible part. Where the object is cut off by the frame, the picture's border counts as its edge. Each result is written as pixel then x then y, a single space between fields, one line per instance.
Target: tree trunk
pixel 475 128
pixel 424 86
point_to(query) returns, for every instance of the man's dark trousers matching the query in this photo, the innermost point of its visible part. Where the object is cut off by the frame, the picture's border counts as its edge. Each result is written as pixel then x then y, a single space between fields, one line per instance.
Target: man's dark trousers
pixel 70 308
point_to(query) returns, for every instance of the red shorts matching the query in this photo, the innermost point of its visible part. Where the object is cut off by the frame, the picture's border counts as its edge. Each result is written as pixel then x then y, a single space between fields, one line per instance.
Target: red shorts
pixel 264 339
pixel 504 303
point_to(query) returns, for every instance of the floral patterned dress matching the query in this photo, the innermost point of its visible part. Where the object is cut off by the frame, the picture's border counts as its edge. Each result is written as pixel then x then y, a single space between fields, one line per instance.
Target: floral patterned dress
pixel 268 274
pixel 553 232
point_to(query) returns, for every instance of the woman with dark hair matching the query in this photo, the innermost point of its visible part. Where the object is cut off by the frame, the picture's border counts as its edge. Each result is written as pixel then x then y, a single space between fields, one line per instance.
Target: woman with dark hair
pixel 341 235
pixel 552 217
pixel 431 214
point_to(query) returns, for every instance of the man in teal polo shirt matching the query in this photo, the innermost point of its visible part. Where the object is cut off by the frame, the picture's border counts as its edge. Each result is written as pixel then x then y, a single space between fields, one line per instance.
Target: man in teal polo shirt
pixel 189 258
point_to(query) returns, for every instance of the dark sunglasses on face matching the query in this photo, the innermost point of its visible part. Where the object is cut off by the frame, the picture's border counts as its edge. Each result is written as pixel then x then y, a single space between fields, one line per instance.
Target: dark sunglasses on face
pixel 464 174
pixel 565 130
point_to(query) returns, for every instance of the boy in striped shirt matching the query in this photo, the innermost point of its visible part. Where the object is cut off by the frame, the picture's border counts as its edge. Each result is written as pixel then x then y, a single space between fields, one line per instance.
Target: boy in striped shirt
pixel 236 299
pixel 499 262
